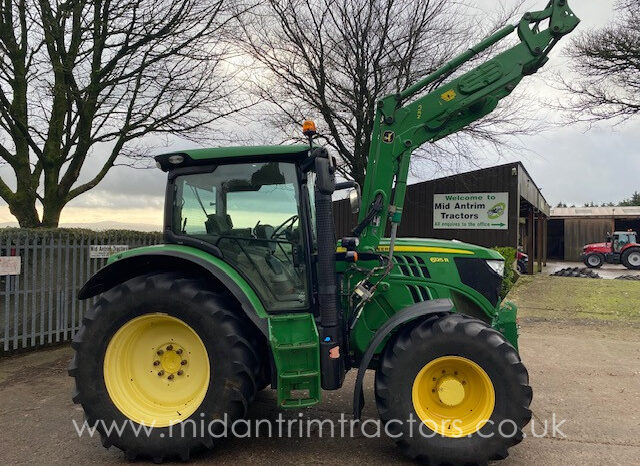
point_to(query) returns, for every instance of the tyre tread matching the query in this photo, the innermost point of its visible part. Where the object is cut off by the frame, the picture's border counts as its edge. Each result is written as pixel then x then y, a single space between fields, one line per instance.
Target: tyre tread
pixel 246 361
pixel 399 347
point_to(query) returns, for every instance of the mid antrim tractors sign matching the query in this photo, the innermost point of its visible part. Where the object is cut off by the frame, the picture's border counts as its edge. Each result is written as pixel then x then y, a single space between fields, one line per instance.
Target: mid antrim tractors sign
pixel 471 211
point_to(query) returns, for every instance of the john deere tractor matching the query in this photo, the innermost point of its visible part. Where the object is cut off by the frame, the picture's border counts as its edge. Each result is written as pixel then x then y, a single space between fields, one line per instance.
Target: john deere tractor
pixel 252 288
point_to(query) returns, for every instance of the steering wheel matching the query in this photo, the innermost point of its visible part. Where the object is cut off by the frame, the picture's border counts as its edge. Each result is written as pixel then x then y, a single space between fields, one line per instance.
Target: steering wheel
pixel 279 230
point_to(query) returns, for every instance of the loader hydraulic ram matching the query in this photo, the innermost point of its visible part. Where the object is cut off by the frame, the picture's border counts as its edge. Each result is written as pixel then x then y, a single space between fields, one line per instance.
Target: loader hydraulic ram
pixel 252 289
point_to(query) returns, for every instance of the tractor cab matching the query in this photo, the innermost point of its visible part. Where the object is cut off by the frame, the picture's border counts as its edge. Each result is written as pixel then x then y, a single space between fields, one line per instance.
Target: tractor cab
pixel 253 207
pixel 621 239
pixel 250 214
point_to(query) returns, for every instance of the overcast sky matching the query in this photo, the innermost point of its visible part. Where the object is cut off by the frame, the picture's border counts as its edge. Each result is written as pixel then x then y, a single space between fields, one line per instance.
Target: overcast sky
pixel 572 164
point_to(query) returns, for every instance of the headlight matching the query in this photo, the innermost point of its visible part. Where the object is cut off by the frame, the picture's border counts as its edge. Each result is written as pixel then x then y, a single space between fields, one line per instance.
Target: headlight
pixel 497 266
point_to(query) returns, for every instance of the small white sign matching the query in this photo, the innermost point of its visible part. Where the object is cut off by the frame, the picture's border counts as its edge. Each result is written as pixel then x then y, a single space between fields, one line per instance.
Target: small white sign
pixel 103 251
pixel 10 265
pixel 471 211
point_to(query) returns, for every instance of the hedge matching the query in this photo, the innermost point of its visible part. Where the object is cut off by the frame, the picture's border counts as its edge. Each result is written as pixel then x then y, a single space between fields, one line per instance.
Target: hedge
pixel 510 275
pixel 76 233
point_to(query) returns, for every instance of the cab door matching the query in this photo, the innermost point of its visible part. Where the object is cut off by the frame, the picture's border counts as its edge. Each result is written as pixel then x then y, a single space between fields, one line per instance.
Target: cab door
pixel 620 240
pixel 252 214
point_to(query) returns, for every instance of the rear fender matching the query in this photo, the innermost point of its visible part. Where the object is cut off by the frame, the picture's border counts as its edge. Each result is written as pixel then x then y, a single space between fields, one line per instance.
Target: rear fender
pixel 630 246
pixel 136 262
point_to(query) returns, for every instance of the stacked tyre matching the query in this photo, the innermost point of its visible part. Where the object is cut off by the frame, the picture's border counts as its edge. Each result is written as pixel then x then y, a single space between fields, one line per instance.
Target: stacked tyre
pixel 577 272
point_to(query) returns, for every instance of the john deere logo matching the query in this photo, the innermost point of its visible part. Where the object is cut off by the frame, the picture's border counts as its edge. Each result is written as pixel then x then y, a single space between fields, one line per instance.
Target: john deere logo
pixel 388 136
pixel 497 210
pixel 449 95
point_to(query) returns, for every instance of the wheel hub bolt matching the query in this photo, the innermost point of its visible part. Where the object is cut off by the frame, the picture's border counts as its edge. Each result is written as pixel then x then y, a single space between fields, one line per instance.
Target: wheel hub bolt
pixel 183 362
pixel 169 348
pixel 159 352
pixel 156 363
pixel 179 351
pixel 180 372
pixel 170 377
pixel 160 374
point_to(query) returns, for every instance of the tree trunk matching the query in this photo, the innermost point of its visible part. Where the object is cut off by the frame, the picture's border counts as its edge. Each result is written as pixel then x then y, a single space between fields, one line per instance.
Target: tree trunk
pixel 51 213
pixel 23 208
pixel 358 170
pixel 54 194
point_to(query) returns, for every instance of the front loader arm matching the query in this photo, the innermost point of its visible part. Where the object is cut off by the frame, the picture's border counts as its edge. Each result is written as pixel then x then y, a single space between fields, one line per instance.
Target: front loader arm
pixel 402 127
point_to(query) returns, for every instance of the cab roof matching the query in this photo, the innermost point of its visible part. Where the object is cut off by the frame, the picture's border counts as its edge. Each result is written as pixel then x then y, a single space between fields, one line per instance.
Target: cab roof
pixel 203 156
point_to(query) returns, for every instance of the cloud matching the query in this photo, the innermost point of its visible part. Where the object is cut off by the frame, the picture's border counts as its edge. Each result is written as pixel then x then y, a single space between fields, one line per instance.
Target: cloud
pixel 568 164
pixel 126 187
pixel 599 165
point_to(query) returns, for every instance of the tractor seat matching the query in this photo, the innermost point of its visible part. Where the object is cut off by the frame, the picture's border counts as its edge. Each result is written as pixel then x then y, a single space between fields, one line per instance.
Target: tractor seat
pixel 218 225
pixel 266 232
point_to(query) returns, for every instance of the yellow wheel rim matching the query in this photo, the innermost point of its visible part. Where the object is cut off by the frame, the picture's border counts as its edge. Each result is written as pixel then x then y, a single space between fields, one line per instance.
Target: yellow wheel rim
pixel 156 370
pixel 453 396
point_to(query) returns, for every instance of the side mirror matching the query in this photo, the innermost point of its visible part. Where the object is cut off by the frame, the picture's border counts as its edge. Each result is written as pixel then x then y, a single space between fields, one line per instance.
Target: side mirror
pixel 355 194
pixel 354 199
pixel 325 172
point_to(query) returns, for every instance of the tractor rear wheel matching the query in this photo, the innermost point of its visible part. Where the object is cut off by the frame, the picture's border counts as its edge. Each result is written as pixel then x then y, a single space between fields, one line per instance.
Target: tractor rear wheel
pixel 452 390
pixel 631 258
pixel 165 360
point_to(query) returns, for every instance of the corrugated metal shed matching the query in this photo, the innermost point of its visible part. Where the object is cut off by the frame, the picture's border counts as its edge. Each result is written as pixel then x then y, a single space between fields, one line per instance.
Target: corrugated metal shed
pixel 572 227
pixel 592 212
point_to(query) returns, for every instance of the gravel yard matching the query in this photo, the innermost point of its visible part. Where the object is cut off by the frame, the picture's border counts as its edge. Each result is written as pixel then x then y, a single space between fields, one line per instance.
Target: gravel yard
pixel 585 372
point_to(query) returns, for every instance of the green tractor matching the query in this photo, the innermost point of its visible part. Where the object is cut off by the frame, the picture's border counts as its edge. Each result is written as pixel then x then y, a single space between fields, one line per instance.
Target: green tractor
pixel 251 288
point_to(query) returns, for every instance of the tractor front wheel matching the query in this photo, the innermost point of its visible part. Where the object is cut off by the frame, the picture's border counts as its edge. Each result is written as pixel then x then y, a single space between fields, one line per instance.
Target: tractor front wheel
pixel 161 363
pixel 452 390
pixel 631 258
pixel 594 260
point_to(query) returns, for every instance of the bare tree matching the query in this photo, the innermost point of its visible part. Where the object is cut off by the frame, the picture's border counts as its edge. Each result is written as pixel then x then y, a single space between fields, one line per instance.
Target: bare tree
pixel 606 69
pixel 82 75
pixel 334 59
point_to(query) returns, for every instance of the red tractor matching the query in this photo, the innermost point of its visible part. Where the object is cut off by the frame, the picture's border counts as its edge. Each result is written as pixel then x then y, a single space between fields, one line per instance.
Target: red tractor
pixel 622 248
pixel 522 261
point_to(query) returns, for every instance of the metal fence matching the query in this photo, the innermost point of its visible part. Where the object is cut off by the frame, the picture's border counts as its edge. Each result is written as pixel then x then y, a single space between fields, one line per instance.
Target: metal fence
pixel 39 306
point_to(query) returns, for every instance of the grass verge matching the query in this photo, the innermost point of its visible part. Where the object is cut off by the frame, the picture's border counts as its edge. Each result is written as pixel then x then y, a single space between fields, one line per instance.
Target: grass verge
pixel 576 298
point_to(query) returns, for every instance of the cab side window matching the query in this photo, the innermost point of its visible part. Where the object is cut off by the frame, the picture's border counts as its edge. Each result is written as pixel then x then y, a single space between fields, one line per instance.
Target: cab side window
pixel 250 211
pixel 620 241
pixel 198 203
